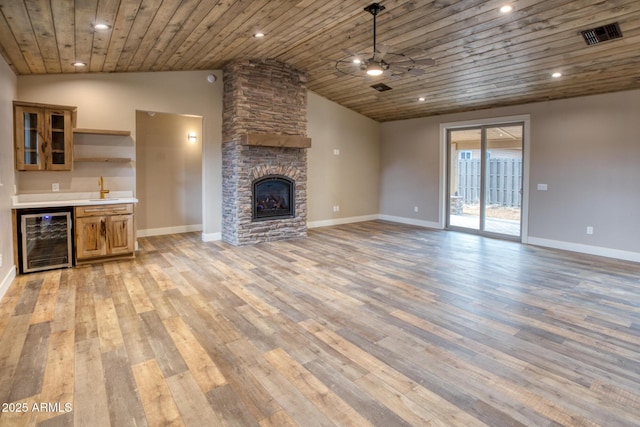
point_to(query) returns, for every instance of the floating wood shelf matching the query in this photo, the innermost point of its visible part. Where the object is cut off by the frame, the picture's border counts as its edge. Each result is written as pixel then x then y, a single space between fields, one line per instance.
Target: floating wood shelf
pixel 275 140
pixel 103 159
pixel 102 132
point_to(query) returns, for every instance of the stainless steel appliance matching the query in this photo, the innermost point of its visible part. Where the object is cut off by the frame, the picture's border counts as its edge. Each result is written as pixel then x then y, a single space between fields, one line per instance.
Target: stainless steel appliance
pixel 44 239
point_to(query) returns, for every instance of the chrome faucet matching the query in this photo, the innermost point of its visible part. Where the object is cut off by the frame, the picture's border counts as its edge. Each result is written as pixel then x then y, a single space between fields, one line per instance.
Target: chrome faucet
pixel 102 190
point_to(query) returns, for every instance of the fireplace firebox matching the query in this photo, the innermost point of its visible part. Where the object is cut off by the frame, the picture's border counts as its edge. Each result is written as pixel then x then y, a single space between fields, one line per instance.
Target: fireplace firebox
pixel 273 198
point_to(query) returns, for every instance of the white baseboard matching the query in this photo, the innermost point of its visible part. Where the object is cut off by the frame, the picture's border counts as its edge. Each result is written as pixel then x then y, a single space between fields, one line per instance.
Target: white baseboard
pixel 585 249
pixel 6 282
pixel 168 230
pixel 339 221
pixel 410 221
pixel 211 237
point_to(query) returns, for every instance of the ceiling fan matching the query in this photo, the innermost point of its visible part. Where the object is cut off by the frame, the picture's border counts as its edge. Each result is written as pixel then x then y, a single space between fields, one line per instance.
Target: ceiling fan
pixel 381 61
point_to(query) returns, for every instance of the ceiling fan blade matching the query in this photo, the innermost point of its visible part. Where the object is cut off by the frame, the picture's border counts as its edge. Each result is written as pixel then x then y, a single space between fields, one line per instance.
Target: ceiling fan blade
pixel 414 51
pixel 413 62
pixel 426 61
pixel 400 67
pixel 394 76
pixel 349 52
pixel 416 71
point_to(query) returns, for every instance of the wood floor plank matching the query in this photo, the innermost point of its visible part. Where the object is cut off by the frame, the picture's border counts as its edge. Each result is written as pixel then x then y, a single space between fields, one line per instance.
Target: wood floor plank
pixel 108 325
pixel 59 374
pixel 140 300
pixel 29 295
pixel 65 310
pixel 369 323
pixel 46 303
pixel 231 408
pixel 13 340
pixel 164 348
pixel 28 376
pixel 316 391
pixel 90 395
pixel 124 401
pixel 159 406
pixel 204 370
pixel 86 326
pixel 192 403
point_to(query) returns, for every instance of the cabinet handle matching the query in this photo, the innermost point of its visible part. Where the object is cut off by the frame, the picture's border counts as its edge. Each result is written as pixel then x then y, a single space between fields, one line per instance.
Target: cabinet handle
pixel 103 228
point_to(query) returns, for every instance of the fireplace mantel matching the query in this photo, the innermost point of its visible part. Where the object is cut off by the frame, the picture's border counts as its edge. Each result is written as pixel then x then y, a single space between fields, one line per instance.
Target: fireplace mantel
pixel 275 140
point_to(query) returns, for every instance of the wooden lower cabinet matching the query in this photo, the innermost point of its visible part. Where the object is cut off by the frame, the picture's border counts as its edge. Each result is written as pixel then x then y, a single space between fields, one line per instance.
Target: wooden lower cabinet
pixel 104 231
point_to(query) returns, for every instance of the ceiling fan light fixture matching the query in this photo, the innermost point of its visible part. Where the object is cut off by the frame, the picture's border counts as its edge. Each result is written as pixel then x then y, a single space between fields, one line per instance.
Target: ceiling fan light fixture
pixel 101 27
pixel 374 70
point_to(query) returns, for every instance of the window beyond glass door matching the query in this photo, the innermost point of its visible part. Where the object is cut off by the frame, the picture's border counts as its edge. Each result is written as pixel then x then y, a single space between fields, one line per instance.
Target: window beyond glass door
pixel 485 179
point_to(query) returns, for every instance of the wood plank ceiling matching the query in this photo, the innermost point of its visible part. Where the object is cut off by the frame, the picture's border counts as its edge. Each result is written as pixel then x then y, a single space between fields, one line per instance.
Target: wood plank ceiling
pixel 484 58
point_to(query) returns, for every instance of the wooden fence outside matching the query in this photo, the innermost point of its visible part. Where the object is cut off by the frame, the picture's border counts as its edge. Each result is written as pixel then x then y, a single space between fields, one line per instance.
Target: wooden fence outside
pixel 503 183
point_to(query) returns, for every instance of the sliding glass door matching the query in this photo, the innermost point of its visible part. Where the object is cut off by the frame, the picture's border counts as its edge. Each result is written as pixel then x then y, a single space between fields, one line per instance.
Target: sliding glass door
pixel 485 179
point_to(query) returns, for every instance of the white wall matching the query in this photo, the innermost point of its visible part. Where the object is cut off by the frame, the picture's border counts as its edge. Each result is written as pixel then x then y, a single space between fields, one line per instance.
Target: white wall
pixel 8 93
pixel 585 149
pixel 110 101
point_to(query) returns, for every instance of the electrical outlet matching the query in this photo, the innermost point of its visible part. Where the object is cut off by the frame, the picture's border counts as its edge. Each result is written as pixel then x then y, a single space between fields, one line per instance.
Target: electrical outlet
pixel 55 187
pixel 0 260
pixel 589 230
pixel 336 151
pixel 336 208
pixel 415 209
pixel 543 187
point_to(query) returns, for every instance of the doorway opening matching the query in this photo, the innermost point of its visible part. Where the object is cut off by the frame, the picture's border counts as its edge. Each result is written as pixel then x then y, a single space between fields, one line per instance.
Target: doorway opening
pixel 485 175
pixel 168 173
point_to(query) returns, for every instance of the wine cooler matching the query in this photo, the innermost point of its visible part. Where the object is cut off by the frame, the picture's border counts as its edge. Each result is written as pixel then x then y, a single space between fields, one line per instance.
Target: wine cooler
pixel 45 239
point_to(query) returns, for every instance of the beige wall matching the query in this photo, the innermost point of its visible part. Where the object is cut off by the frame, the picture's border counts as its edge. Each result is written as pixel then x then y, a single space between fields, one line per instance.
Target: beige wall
pixel 8 92
pixel 585 149
pixel 110 101
pixel 168 173
pixel 351 179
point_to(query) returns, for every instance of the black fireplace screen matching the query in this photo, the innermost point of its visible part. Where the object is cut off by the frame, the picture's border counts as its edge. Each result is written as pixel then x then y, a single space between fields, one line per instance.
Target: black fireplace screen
pixel 273 197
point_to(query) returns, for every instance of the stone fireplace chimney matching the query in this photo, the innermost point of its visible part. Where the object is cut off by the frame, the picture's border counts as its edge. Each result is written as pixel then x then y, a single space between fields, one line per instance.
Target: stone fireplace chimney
pixel 264 137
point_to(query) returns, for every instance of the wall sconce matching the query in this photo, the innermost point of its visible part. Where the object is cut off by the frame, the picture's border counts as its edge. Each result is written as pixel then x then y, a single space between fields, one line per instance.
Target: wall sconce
pixel 191 137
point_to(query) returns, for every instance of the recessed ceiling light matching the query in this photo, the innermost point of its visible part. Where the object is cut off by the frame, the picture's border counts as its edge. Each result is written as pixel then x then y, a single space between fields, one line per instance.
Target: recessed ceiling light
pixel 258 35
pixel 422 99
pixel 79 64
pixel 101 27
pixel 506 8
pixel 556 75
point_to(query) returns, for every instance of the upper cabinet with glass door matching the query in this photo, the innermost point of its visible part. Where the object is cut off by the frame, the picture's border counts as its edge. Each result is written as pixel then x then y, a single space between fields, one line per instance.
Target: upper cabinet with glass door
pixel 43 136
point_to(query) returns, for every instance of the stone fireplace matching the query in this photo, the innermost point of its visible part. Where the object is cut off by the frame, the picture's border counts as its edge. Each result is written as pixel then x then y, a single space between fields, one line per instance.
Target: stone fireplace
pixel 264 159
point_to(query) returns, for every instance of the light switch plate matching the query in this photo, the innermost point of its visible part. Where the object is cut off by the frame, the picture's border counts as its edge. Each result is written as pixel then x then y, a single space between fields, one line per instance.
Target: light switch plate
pixel 55 187
pixel 542 187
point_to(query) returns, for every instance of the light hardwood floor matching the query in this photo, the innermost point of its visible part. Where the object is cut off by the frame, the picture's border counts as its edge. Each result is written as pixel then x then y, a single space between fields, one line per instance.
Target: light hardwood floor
pixel 363 324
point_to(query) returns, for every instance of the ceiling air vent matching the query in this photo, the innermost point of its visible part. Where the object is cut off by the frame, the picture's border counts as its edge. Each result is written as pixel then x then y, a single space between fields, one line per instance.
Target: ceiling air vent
pixel 602 34
pixel 381 87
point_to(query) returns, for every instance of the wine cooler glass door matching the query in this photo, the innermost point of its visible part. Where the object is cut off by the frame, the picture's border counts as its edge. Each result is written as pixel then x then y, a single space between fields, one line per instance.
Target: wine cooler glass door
pixel 46 241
